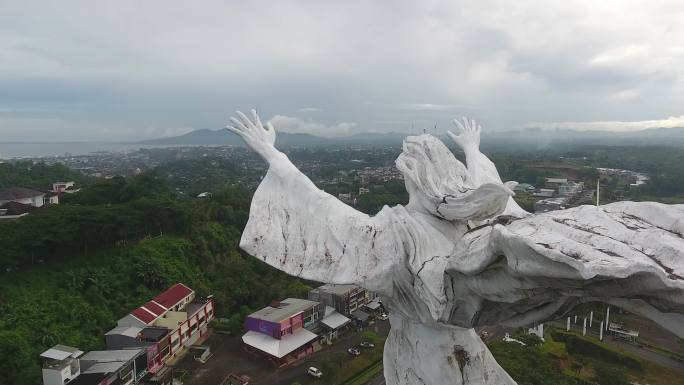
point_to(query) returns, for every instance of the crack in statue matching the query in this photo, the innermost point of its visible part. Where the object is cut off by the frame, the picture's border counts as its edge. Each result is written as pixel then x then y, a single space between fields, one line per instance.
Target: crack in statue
pixel 463 254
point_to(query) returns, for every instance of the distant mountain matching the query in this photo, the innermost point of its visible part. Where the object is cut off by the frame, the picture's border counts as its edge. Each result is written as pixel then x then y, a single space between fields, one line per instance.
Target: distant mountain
pixel 224 137
pixel 525 139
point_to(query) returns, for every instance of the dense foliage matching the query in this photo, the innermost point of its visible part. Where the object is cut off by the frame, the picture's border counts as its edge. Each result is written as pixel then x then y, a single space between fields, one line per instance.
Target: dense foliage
pixel 38 176
pixel 71 270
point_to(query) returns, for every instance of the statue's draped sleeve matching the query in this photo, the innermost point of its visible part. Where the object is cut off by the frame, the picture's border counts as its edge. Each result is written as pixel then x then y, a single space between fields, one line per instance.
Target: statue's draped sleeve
pixel 299 229
pixel 629 254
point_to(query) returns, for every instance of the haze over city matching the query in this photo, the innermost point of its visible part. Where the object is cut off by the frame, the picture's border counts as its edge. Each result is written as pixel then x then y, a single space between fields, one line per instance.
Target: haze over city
pixel 126 71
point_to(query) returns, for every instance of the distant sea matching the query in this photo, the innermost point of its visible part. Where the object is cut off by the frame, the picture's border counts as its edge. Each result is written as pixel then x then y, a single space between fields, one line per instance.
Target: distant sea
pixel 34 150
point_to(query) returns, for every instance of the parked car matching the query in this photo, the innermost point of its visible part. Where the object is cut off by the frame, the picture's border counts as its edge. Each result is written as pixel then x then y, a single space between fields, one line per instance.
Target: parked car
pixel 366 344
pixel 314 372
pixel 354 351
pixel 383 317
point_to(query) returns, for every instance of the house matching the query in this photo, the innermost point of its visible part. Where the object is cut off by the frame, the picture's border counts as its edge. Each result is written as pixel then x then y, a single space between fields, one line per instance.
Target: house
pixel 165 325
pixel 60 365
pixel 282 332
pixel 22 195
pixel 345 299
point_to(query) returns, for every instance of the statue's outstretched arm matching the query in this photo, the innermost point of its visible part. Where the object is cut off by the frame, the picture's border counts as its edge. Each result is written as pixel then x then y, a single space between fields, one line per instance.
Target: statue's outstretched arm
pixel 304 231
pixel 481 169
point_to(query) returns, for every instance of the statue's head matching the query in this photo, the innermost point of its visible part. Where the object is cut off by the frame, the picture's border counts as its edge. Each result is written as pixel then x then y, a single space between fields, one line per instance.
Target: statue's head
pixel 439 183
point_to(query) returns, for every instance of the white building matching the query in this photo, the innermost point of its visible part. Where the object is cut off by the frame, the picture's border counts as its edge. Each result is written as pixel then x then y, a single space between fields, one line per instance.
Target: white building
pixel 60 365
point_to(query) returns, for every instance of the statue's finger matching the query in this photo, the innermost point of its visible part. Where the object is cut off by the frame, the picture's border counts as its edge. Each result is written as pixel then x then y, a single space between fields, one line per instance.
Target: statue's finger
pixel 234 130
pixel 257 121
pixel 238 124
pixel 459 125
pixel 245 119
pixel 466 123
pixel 473 124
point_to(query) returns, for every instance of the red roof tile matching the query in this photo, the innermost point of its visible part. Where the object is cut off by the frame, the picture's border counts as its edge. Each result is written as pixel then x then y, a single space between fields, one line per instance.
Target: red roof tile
pixel 154 308
pixel 173 295
pixel 143 315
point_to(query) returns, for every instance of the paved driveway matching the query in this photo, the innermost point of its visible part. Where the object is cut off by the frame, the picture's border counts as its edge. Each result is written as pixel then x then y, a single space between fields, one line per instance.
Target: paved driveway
pixel 228 357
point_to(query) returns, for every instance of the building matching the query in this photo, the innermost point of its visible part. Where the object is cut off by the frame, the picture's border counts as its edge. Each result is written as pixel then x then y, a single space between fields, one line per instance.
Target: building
pixel 570 189
pixel 332 323
pixel 22 195
pixel 345 299
pixel 550 204
pixel 64 188
pixel 553 183
pixel 165 325
pixel 60 365
pixel 124 367
pixel 545 193
pixel 282 332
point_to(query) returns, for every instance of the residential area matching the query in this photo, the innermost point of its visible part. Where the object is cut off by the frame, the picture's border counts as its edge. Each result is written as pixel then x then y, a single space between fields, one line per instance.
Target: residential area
pixel 169 340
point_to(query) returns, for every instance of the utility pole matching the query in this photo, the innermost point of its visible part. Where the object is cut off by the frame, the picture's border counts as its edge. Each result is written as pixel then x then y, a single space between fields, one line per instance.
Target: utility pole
pixel 598 191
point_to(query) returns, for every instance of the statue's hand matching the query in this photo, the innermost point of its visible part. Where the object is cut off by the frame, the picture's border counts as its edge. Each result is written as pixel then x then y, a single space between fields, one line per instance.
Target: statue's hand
pixel 469 138
pixel 259 138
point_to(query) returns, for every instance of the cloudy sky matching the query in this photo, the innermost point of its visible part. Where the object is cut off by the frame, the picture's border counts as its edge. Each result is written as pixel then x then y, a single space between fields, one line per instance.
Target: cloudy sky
pixel 125 70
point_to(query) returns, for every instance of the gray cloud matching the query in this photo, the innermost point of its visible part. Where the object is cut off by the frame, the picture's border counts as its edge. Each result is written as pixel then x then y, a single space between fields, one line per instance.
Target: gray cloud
pixel 80 69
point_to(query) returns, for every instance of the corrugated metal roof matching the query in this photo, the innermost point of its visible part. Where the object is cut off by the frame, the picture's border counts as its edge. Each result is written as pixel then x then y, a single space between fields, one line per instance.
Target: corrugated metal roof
pixel 130 331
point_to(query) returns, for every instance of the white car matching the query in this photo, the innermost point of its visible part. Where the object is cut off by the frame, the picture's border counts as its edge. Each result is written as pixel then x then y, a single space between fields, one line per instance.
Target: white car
pixel 314 372
pixel 383 317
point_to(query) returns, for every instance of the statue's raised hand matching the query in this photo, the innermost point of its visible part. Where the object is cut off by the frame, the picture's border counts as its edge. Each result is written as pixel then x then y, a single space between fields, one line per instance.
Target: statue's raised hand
pixel 259 138
pixel 469 137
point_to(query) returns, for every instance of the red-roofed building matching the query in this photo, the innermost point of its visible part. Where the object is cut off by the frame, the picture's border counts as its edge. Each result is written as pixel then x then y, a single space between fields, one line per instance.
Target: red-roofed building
pixel 175 297
pixel 155 308
pixel 177 311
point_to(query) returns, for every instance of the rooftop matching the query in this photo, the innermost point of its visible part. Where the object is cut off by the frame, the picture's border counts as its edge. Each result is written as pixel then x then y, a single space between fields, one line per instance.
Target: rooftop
pixel 111 355
pixel 278 347
pixel 129 331
pixel 17 208
pixel 173 295
pixel 12 193
pixel 61 352
pixel 288 307
pixel 333 319
pixel 337 289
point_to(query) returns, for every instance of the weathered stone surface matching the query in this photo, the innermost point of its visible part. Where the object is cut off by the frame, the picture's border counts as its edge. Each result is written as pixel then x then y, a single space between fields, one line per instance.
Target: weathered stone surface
pixel 462 254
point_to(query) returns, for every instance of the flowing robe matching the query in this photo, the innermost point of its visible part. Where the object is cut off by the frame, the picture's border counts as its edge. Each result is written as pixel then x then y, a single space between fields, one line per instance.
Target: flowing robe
pixel 439 279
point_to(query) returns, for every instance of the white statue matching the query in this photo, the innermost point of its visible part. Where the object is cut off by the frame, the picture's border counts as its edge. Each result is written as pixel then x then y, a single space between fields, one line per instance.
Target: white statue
pixel 463 254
